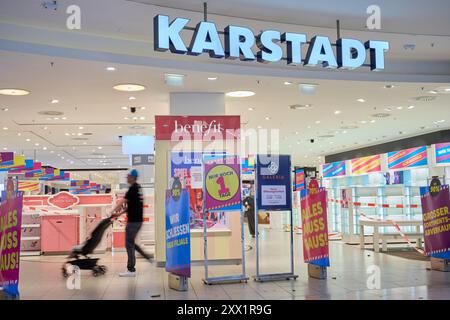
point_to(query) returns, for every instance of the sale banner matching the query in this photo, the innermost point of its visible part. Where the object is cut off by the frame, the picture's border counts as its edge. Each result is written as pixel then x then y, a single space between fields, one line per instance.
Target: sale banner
pixel 178 245
pixel 408 158
pixel 299 183
pixel 436 218
pixel 442 151
pixel 222 182
pixel 315 228
pixel 334 169
pixel 366 164
pixel 10 233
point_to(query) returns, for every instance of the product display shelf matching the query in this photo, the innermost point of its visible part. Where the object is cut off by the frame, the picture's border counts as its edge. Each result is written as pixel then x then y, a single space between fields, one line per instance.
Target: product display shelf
pixel 31 234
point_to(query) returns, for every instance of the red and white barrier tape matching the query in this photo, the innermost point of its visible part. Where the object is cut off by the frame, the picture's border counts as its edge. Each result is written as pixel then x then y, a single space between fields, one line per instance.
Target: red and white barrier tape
pixel 373 205
pixel 397 227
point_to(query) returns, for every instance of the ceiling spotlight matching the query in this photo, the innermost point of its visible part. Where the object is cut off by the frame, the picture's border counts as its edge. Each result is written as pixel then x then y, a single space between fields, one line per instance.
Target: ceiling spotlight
pixel 399 108
pixel 317 121
pixel 240 94
pixel 251 109
pixel 212 78
pixel 360 100
pixel 308 88
pixel 81 128
pixel 5 128
pixel 132 98
pixel 411 107
pixel 287 83
pixel 36 144
pixel 44 148
pixel 99 148
pixel 111 69
pixel 388 109
pixel 267 118
pixel 175 80
pixel 129 87
pixel 372 121
pixel 337 112
pixel 4 109
pixel 14 92
pixel 45 128
pixel 67 134
pixel 124 108
pixel 27 140
pixel 54 101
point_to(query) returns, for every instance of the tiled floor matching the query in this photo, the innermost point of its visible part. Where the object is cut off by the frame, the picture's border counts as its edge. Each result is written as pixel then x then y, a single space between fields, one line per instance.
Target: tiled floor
pixel 40 277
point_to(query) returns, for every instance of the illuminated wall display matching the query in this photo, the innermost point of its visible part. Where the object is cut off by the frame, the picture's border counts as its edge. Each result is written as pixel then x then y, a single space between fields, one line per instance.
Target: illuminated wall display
pixel 238 43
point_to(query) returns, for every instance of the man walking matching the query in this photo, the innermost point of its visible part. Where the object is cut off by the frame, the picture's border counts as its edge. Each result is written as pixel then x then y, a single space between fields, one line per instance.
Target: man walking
pixel 135 212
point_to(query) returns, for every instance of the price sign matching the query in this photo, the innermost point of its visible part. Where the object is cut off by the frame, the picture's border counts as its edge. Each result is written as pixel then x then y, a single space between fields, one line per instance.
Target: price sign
pixel 222 183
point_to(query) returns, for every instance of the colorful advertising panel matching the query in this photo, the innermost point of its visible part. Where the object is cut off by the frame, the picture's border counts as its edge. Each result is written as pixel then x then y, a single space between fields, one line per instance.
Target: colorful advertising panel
pixel 248 168
pixel 442 153
pixel 315 227
pixel 274 184
pixel 187 167
pixel 222 182
pixel 334 169
pixel 6 158
pixel 178 246
pixel 299 176
pixel 10 234
pixel 366 164
pixel 408 158
pixel 436 218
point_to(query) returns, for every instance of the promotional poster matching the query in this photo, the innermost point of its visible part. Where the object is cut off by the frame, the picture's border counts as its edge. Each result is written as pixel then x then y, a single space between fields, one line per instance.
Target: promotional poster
pixel 334 169
pixel 315 227
pixel 408 158
pixel 178 246
pixel 436 219
pixel 222 181
pixel 10 234
pixel 274 182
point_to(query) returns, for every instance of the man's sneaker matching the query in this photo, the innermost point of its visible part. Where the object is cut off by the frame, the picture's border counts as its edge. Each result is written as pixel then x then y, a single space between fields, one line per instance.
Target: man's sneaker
pixel 127 274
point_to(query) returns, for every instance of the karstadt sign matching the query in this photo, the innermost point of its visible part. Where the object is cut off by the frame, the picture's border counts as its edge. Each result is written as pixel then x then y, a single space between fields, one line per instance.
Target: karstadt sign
pixel 239 42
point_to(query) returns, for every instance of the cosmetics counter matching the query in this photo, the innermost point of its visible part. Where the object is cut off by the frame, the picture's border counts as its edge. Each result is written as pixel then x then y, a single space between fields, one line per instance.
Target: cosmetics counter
pixel 385 186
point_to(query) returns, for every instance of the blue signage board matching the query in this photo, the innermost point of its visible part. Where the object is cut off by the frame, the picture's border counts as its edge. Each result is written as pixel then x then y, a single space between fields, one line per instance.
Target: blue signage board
pixel 274 182
pixel 178 236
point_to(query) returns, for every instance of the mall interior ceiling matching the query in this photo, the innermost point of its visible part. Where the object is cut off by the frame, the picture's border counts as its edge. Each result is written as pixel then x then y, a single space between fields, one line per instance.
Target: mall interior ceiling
pixel 73 118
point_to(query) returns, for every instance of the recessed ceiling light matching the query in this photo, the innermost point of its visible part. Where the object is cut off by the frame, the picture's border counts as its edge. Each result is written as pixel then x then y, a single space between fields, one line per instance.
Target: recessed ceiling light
pixel 111 69
pixel 99 148
pixel 142 108
pixel 372 121
pixel 240 94
pixel 124 108
pixel 259 127
pixel 19 134
pixel 287 83
pixel 212 78
pixel 388 109
pixel 44 148
pixel 67 134
pixel 142 118
pixel 399 108
pixel 125 118
pixel 4 109
pixel 54 101
pixel 433 91
pixel 411 107
pixel 317 121
pixel 119 128
pixel 251 109
pixel 51 151
pixel 363 121
pixel 36 144
pixel 5 128
pixel 14 92
pixel 129 87
pixel 63 118
pixel 45 128
pixel 80 128
pixel 267 118
pixel 308 88
pixel 79 134
pixel 27 140
pixel 360 100
pixel 337 112
pixel 175 80
pixel 132 98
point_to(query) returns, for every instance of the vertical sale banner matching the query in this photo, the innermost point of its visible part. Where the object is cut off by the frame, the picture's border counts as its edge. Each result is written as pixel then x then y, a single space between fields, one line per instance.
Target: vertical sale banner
pixel 10 232
pixel 436 219
pixel 222 182
pixel 178 237
pixel 315 228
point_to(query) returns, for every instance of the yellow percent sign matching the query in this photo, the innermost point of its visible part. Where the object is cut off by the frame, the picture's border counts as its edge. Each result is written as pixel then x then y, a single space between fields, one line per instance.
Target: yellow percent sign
pixel 222 183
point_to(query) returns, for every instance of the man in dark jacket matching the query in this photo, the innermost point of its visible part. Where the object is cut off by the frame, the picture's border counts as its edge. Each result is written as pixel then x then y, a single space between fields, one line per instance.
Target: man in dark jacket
pixel 249 205
pixel 135 214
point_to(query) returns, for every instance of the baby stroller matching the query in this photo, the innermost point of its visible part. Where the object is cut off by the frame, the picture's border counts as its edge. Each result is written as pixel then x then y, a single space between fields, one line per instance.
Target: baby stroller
pixel 86 248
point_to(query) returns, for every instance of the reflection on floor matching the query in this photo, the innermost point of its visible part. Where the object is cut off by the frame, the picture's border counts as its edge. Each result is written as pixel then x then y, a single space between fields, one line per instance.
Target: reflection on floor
pixel 40 277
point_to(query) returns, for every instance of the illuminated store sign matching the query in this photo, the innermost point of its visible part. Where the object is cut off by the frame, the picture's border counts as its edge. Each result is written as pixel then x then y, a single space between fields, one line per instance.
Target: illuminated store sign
pixel 239 43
